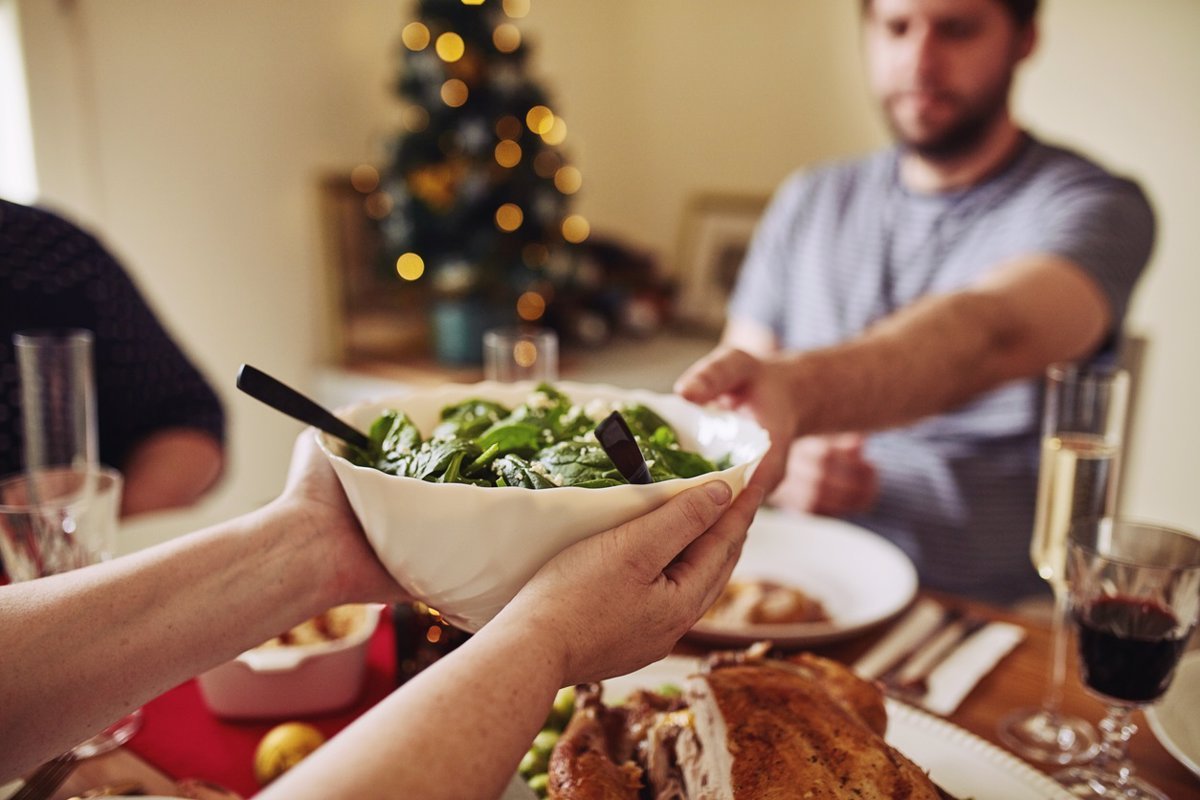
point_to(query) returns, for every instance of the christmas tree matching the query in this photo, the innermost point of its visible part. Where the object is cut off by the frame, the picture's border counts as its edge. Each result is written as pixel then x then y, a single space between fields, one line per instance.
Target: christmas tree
pixel 477 183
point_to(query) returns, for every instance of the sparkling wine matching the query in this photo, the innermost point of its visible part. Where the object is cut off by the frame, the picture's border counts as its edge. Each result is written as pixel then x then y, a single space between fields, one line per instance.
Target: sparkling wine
pixel 1076 482
pixel 1128 648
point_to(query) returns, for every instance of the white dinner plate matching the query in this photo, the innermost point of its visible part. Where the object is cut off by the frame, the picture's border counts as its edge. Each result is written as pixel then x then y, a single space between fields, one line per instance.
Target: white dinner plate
pixel 1175 719
pixel 957 760
pixel 861 578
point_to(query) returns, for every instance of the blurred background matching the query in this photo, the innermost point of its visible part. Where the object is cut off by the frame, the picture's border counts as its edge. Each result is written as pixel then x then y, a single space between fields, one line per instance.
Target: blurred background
pixel 203 142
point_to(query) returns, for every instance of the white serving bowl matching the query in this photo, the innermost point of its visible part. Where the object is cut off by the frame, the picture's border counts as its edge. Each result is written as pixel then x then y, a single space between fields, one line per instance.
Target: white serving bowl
pixel 467 550
pixel 293 680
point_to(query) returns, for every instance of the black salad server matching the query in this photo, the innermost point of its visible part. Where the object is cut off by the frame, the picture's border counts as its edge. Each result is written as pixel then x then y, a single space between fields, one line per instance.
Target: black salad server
pixel 617 440
pixel 281 397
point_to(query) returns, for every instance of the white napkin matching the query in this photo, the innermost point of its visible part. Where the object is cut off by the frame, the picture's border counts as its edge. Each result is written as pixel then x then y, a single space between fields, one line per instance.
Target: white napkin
pixel 954 678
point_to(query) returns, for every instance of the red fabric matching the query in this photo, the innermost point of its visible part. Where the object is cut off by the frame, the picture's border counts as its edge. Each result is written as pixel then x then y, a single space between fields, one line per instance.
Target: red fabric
pixel 183 739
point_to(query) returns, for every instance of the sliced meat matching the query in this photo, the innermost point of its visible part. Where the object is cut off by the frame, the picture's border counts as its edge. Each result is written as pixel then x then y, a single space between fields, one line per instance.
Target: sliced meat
pixel 657 755
pixel 764 733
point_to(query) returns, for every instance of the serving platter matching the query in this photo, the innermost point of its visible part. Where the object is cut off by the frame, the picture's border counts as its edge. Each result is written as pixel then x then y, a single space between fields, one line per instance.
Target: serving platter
pixel 861 578
pixel 957 760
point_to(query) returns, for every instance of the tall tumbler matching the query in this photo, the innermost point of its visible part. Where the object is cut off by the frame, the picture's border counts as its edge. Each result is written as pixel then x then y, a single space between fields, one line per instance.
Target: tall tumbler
pixel 1083 425
pixel 61 513
pixel 520 354
pixel 58 398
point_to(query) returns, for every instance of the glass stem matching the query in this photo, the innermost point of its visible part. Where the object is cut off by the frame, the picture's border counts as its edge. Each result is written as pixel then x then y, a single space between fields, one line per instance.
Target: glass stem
pixel 1052 701
pixel 1117 728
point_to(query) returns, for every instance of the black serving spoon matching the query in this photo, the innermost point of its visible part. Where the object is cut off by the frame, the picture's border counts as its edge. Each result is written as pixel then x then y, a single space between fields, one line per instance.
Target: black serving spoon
pixel 281 397
pixel 617 440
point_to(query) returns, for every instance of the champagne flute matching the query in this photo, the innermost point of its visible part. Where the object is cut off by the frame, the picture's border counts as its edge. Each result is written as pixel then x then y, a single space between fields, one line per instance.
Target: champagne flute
pixel 1135 600
pixel 1082 426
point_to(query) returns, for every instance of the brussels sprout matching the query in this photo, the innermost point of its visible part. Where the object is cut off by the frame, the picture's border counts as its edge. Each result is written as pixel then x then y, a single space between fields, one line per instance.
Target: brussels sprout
pixel 532 763
pixel 545 740
pixel 540 784
pixel 563 708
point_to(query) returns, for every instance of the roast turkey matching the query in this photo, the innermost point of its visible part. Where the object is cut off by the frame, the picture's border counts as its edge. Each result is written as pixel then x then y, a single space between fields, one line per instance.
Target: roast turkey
pixel 746 728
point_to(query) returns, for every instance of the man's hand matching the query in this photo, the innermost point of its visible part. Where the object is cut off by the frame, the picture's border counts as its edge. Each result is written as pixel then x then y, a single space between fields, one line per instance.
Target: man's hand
pixel 762 387
pixel 828 475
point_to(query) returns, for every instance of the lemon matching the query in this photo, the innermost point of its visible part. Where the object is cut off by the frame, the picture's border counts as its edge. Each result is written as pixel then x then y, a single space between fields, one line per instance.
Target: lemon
pixel 284 747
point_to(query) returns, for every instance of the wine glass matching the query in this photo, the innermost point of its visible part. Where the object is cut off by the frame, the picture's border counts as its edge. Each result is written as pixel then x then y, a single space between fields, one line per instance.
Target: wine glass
pixel 1083 421
pixel 1134 599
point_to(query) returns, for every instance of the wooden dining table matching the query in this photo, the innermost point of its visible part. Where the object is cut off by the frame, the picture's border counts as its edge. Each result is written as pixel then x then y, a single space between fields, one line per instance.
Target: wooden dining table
pixel 1018 680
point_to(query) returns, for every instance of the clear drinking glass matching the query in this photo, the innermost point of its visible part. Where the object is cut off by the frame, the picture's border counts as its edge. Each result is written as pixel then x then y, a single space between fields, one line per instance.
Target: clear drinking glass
pixel 1083 423
pixel 1135 600
pixel 62 512
pixel 58 397
pixel 57 519
pixel 520 354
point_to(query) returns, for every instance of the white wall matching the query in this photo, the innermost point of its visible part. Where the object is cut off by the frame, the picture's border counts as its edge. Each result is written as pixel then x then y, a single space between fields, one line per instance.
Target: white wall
pixel 191 133
pixel 1122 81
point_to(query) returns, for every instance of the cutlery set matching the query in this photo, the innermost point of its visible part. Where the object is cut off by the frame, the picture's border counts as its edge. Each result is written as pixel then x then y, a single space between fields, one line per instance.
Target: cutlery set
pixel 933 657
pixel 909 678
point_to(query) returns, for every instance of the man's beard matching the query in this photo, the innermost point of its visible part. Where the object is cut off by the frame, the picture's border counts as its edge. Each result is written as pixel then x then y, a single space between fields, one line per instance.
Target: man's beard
pixel 961 136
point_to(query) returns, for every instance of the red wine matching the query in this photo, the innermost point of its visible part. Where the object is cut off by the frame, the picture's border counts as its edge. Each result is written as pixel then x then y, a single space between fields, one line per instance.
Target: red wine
pixel 1128 648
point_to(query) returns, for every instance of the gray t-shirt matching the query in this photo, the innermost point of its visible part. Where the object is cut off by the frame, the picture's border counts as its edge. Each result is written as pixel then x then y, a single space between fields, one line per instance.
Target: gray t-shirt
pixel 843 246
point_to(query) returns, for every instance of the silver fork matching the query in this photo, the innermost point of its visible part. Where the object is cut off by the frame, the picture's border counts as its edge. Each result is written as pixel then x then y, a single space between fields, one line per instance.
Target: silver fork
pixel 46 779
pixel 909 680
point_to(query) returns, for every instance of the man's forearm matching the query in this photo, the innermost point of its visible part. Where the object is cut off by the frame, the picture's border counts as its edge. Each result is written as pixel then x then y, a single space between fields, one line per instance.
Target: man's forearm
pixel 927 358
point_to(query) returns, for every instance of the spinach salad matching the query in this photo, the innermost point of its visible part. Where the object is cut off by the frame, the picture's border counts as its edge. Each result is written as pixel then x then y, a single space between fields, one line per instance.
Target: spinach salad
pixel 545 442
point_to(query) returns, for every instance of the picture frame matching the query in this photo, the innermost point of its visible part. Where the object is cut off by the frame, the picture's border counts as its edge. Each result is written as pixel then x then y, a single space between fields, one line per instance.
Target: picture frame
pixel 370 316
pixel 715 234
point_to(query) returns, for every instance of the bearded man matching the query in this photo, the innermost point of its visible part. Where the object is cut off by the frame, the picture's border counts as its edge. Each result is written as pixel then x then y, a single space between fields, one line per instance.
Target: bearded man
pixel 895 314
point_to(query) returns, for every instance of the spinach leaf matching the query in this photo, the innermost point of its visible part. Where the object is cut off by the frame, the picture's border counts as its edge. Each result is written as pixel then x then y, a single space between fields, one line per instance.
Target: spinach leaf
pixel 515 471
pixel 644 423
pixel 521 436
pixel 575 463
pixel 440 461
pixel 680 463
pixel 468 419
pixel 394 442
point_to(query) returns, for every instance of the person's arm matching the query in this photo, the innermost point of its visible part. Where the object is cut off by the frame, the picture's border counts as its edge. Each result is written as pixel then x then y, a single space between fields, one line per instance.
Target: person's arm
pixel 172 468
pixel 749 335
pixel 97 642
pixel 603 607
pixel 929 357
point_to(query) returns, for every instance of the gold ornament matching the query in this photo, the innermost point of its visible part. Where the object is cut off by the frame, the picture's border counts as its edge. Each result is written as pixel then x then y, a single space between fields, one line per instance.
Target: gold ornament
pixel 436 185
